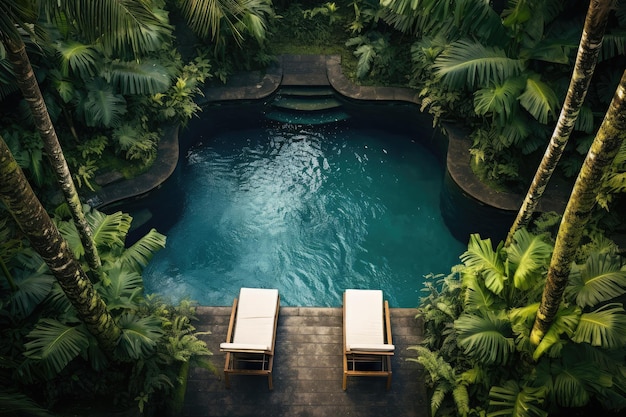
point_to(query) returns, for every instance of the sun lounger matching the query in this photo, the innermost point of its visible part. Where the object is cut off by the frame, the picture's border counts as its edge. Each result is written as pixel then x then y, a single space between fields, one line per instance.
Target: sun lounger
pixel 251 334
pixel 367 341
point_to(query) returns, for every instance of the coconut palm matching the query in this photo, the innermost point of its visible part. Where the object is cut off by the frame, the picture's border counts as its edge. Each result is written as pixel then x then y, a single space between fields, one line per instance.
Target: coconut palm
pixel 605 146
pixel 25 77
pixel 219 20
pixel 477 324
pixel 587 56
pixel 21 202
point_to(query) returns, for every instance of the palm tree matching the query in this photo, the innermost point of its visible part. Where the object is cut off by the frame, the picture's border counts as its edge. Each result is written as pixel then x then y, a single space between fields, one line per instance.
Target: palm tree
pixel 477 324
pixel 25 77
pixel 22 203
pixel 588 51
pixel 219 20
pixel 606 145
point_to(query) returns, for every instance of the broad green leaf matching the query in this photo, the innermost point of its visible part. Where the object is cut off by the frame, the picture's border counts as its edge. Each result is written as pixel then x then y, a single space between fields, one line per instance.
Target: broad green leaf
pixel 140 253
pixel 109 230
pixel 604 327
pixel 477 297
pixel 515 402
pixel 102 107
pixel 529 255
pixel 575 380
pixel 138 78
pixel 83 59
pixel 539 100
pixel 499 100
pixel 599 279
pixel 565 322
pixel 487 339
pixel 481 258
pixel 140 335
pixel 124 286
pixel 467 63
pixel 55 344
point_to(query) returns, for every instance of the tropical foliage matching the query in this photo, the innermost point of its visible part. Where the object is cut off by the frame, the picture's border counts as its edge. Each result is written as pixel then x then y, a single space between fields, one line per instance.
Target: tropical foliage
pixel 47 351
pixel 477 321
pixel 503 73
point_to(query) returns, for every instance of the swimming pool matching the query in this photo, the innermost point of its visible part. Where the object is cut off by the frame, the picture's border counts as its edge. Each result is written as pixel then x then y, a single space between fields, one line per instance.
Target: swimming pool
pixel 310 210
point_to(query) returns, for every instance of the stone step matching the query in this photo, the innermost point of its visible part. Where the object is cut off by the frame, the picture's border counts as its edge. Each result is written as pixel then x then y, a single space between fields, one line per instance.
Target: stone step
pixel 306 103
pixel 309 118
pixel 304 91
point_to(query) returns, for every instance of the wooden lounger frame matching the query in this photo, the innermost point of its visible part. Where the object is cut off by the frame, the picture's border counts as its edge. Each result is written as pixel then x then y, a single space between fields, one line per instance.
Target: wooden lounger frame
pixel 353 358
pixel 264 359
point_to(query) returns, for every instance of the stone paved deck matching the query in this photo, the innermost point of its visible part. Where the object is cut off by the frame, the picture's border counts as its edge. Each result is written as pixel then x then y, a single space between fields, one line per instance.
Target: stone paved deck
pixel 308 372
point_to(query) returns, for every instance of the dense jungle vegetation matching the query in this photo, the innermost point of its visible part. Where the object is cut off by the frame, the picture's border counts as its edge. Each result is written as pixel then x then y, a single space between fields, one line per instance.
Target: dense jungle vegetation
pixel 109 75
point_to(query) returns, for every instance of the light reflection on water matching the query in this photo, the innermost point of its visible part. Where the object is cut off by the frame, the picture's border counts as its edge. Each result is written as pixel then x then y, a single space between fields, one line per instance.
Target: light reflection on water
pixel 308 212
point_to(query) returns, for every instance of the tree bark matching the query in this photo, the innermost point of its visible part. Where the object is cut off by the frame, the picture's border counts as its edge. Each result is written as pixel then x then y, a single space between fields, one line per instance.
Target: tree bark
pixel 16 52
pixel 586 58
pixel 29 214
pixel 603 150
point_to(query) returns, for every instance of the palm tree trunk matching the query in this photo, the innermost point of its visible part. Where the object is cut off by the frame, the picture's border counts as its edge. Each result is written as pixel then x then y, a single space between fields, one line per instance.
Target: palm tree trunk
pixel 22 203
pixel 603 150
pixel 16 52
pixel 588 50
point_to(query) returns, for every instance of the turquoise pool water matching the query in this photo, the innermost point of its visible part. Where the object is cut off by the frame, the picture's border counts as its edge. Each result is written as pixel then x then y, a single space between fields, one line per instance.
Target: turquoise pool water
pixel 308 210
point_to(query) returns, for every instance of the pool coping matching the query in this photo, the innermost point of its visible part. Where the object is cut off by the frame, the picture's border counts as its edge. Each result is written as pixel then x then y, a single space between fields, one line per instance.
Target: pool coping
pixel 257 86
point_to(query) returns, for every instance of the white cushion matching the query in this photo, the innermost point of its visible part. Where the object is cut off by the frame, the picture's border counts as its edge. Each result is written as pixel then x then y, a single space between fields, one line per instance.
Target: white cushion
pixel 256 314
pixel 364 318
pixel 372 348
pixel 241 347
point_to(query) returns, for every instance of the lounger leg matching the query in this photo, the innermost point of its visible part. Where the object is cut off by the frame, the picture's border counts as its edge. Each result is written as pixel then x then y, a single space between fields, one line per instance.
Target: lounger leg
pixel 388 369
pixel 345 381
pixel 226 368
pixel 269 381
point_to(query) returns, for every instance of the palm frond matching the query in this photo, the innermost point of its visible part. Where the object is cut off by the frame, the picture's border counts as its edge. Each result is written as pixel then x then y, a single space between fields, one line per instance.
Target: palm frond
pixel 515 402
pixel 132 77
pixel 82 59
pixel 529 256
pixel 599 279
pixel 140 335
pixel 33 287
pixel 140 253
pixel 109 230
pixel 565 322
pixel 471 64
pixel 481 258
pixel 605 327
pixel 55 344
pixel 539 99
pixel 575 380
pixel 132 26
pixel 499 100
pixel 477 297
pixel 102 107
pixel 487 339
pixel 123 289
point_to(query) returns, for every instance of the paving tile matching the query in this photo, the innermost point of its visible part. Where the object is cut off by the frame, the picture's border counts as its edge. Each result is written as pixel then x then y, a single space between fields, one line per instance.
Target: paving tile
pixel 308 372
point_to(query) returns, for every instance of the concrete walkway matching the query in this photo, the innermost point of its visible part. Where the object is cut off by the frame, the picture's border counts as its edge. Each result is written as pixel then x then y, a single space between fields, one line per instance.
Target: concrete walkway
pixel 308 372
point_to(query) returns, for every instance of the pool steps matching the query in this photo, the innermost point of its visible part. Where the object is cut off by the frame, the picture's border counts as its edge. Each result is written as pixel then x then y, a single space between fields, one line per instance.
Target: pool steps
pixel 306 105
